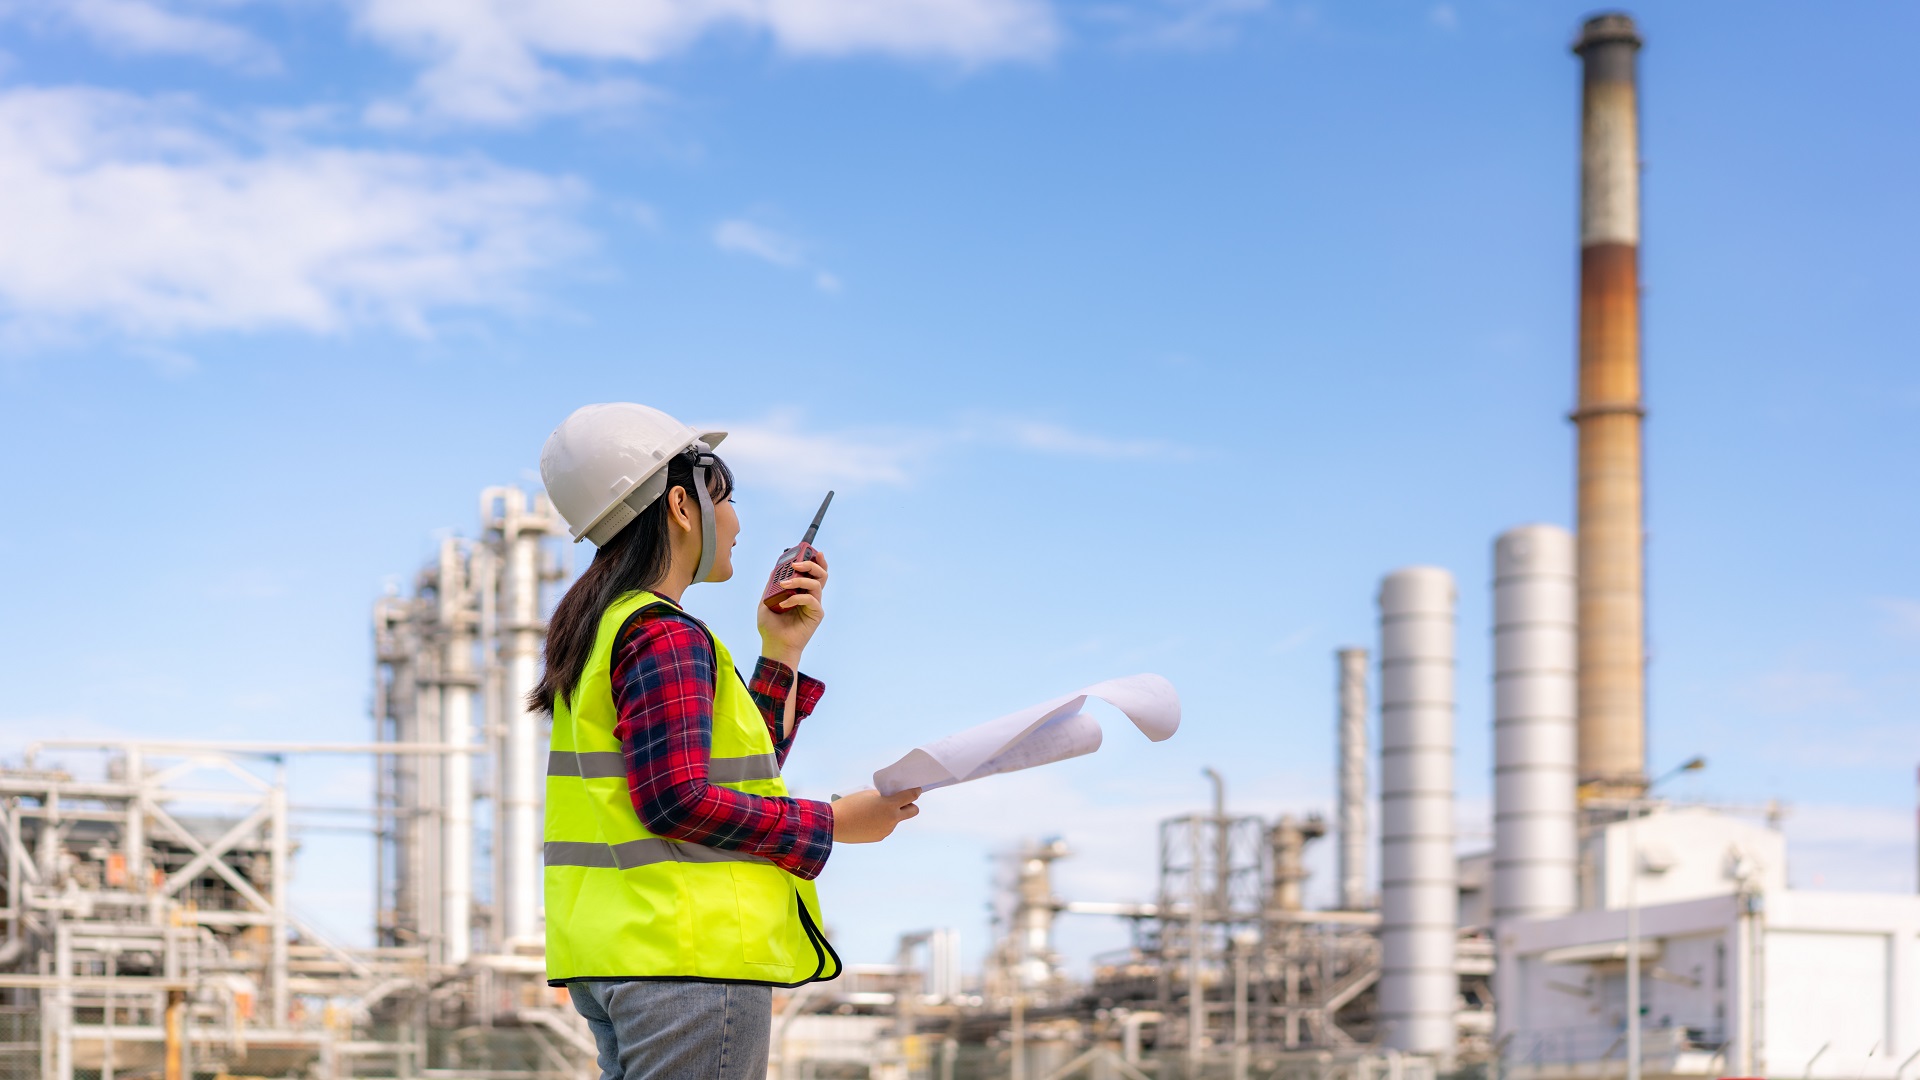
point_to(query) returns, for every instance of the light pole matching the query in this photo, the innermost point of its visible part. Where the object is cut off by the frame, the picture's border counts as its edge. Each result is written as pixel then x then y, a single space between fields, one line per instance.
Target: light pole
pixel 1694 764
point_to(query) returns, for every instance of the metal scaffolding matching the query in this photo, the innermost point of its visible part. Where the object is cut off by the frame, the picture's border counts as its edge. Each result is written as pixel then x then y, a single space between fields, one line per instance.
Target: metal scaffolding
pixel 145 889
pixel 148 929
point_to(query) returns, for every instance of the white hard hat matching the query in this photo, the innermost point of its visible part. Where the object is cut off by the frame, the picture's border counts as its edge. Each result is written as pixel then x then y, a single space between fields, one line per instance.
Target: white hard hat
pixel 606 463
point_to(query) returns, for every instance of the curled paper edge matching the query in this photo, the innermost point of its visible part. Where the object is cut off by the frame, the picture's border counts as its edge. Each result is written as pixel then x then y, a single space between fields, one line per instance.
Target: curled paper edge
pixel 1149 701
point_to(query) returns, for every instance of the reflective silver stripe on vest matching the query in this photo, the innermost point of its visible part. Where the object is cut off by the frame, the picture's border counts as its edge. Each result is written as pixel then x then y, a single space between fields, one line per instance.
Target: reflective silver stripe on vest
pixel 594 764
pixel 739 770
pixel 642 852
pixel 599 764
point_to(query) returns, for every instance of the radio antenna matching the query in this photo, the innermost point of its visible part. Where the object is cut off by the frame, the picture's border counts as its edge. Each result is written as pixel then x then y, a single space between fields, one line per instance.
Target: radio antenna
pixel 822 512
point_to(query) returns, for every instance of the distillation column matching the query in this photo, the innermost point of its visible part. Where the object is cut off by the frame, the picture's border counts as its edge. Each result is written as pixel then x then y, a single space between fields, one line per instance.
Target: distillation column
pixel 1352 666
pixel 394 697
pixel 1419 898
pixel 457 684
pixel 1612 540
pixel 425 807
pixel 522 521
pixel 1038 966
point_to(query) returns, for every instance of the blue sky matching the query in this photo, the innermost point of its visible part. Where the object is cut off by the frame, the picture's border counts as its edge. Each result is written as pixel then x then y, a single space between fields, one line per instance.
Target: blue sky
pixel 1134 336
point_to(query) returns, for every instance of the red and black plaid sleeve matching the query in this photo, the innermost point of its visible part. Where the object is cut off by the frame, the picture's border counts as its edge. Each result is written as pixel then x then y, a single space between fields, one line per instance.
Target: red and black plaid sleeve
pixel 663 682
pixel 772 682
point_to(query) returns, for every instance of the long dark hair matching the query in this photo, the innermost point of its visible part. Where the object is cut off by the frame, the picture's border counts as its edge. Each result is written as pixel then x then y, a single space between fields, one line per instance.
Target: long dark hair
pixel 636 558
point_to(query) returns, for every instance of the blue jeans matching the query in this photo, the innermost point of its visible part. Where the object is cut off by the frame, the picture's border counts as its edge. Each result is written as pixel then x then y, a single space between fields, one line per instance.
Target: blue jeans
pixel 671 1030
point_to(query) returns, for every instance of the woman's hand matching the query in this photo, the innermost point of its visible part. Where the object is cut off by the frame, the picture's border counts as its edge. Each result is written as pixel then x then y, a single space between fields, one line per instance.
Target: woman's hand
pixel 784 634
pixel 867 817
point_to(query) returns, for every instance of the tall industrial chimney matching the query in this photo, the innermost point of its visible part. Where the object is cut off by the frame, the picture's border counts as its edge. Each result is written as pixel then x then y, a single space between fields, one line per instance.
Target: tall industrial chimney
pixel 1612 653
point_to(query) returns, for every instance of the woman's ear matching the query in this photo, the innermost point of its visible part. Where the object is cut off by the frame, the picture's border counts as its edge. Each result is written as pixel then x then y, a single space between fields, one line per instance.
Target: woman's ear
pixel 677 508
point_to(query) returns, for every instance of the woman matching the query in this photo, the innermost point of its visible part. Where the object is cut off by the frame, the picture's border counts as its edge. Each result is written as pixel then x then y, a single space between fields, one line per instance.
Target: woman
pixel 679 879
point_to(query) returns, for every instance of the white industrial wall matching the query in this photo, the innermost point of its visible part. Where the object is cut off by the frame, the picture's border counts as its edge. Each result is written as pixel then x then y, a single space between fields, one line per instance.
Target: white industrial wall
pixel 1685 852
pixel 1809 1024
pixel 1842 985
pixel 1557 1016
pixel 1831 987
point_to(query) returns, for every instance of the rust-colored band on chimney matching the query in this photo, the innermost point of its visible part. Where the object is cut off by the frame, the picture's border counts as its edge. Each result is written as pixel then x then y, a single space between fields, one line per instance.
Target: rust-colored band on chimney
pixel 1611 535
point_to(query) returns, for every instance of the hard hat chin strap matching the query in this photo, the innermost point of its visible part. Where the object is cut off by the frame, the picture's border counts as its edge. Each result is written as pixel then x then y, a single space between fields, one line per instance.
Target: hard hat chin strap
pixel 708 541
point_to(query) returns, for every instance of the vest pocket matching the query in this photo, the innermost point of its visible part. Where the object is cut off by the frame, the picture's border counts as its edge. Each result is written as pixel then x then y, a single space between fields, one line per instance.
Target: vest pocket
pixel 767 901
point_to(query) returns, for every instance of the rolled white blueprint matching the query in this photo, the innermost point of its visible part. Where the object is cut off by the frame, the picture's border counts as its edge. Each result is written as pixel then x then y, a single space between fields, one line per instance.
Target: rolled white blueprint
pixel 1037 735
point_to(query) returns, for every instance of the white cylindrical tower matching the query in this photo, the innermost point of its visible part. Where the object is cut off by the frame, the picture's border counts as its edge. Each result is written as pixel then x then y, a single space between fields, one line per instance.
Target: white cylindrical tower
pixel 457 621
pixel 520 774
pixel 1536 746
pixel 1419 897
pixel 1535 737
pixel 522 521
pixel 1352 820
pixel 943 964
pixel 427 803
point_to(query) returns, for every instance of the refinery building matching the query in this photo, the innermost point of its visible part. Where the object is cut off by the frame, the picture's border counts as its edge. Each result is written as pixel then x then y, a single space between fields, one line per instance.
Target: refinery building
pixel 1607 933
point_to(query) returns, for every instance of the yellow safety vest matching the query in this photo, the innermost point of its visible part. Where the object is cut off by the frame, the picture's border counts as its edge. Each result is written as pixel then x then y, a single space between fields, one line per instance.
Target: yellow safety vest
pixel 623 903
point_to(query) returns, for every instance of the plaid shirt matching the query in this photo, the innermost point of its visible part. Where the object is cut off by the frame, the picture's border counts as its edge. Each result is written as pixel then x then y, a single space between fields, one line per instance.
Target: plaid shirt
pixel 663 682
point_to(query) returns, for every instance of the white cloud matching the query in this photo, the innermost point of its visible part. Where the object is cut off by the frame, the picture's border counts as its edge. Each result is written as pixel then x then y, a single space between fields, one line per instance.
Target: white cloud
pixel 144 27
pixel 171 364
pixel 134 214
pixel 746 238
pixel 778 455
pixel 494 61
pixel 743 237
pixel 1903 615
pixel 643 215
pixel 1444 16
pixel 1184 24
pixel 1054 439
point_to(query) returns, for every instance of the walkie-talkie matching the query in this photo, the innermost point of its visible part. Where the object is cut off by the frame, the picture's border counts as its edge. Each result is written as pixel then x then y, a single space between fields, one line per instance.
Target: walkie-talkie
pixel 804 551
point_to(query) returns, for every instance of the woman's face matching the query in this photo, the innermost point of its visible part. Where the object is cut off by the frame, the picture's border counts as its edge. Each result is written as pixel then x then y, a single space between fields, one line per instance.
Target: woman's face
pixel 684 524
pixel 726 531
